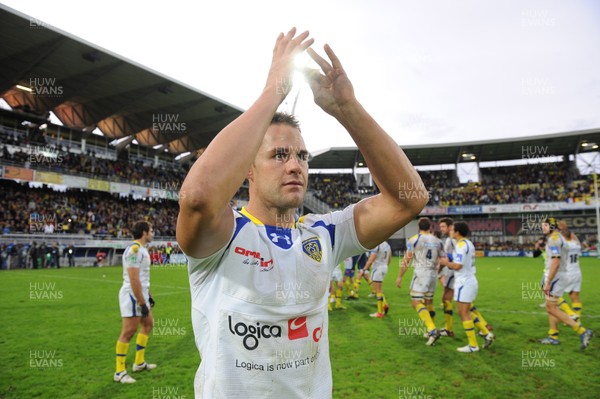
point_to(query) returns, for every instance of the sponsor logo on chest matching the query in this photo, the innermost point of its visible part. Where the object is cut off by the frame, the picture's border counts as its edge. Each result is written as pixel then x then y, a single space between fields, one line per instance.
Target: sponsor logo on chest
pixel 253 333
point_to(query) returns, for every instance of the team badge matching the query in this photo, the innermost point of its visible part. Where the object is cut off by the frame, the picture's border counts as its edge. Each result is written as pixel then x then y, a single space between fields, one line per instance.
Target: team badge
pixel 312 247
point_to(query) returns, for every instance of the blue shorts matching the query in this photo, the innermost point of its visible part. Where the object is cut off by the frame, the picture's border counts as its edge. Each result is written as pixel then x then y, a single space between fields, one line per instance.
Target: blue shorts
pixel 360 261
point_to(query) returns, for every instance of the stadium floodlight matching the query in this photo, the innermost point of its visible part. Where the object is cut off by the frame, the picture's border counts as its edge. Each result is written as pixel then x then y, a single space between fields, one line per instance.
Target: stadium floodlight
pixel 24 88
pixel 589 146
pixel 185 154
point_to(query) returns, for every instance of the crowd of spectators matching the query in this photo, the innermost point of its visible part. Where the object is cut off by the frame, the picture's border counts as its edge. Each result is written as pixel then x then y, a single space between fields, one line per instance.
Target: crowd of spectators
pixel 336 190
pixel 541 182
pixel 24 209
pixel 514 184
pixel 61 160
pixel 549 182
pixel 557 182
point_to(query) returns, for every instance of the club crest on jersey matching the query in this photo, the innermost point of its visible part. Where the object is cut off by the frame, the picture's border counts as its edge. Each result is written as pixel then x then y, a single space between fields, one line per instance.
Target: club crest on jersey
pixel 312 247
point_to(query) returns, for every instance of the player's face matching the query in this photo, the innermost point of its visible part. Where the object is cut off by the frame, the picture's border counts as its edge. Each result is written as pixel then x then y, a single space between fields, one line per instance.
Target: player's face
pixel 149 235
pixel 444 228
pixel 546 228
pixel 279 175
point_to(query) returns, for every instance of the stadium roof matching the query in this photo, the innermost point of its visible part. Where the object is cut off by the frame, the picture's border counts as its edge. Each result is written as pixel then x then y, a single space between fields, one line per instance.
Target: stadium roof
pixel 86 87
pixel 478 151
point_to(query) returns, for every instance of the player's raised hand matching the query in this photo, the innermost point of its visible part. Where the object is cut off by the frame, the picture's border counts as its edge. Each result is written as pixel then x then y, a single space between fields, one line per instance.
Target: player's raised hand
pixel 332 89
pixel 282 66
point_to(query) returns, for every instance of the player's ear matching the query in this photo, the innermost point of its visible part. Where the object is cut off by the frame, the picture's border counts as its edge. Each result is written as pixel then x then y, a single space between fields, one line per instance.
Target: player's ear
pixel 250 174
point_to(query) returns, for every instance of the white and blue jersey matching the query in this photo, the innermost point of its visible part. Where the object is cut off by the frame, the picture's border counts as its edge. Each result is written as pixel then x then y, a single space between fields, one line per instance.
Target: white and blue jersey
pixel 449 246
pixel 259 307
pixel 426 249
pixel 465 284
pixel 574 277
pixel 573 266
pixel 134 256
pixel 556 247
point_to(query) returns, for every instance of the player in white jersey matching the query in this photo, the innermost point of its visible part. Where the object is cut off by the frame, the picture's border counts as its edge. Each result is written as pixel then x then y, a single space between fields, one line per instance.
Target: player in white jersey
pixel 462 261
pixel 379 260
pixel 348 282
pixel 573 286
pixel 337 286
pixel 446 277
pixel 135 302
pixel 554 283
pixel 361 261
pixel 259 277
pixel 426 250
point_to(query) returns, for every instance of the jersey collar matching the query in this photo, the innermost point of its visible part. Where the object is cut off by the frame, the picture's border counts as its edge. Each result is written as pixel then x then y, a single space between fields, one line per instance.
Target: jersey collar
pixel 256 221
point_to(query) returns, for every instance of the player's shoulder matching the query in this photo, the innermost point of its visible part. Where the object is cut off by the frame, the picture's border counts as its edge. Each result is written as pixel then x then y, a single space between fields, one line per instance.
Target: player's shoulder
pixel 433 238
pixel 555 238
pixel 414 238
pixel 133 248
pixel 330 218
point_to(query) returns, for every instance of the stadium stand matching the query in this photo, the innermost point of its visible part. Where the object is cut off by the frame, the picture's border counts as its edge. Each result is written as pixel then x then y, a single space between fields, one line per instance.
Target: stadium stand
pixel 63 183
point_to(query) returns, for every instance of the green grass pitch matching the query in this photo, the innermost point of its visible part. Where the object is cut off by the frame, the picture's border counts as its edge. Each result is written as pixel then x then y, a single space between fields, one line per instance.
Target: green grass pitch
pixel 59 327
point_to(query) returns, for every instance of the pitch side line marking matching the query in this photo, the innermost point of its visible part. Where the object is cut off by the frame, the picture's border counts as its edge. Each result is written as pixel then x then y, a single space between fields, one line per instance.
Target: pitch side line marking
pixel 96 280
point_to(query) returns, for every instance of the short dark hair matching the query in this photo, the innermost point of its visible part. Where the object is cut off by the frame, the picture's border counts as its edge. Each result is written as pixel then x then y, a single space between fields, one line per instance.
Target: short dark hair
pixel 424 224
pixel 282 118
pixel 448 221
pixel 139 228
pixel 461 228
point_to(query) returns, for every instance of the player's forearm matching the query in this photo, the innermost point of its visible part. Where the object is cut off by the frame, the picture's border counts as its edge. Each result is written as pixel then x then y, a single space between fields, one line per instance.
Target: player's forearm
pixel 216 176
pixel 454 266
pixel 402 270
pixel 553 270
pixel 390 167
pixel 136 287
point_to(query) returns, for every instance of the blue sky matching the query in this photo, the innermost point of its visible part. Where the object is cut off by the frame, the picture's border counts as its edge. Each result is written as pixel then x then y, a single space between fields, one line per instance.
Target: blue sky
pixel 428 71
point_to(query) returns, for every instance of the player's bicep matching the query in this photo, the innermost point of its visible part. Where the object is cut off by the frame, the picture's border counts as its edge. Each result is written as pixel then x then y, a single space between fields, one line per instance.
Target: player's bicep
pixel 376 219
pixel 133 273
pixel 199 235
